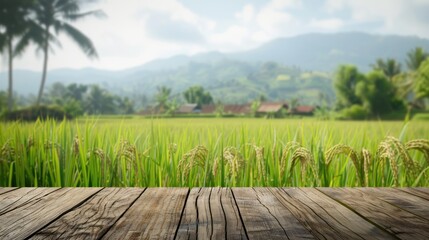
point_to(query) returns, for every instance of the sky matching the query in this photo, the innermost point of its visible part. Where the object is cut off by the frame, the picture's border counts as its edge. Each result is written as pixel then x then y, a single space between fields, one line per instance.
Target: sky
pixel 135 32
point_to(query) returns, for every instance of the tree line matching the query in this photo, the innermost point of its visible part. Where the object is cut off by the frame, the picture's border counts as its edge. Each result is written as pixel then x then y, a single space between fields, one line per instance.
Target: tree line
pixel 384 90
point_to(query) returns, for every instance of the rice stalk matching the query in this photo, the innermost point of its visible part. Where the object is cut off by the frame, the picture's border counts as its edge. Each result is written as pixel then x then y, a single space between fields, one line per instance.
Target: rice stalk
pixel 366 158
pixel 421 145
pixel 195 157
pixel 234 161
pixel 260 162
pixel 349 152
pixel 290 147
pixel 306 159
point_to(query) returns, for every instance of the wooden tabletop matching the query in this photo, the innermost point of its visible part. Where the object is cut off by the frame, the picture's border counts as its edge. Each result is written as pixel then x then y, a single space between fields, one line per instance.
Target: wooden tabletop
pixel 216 213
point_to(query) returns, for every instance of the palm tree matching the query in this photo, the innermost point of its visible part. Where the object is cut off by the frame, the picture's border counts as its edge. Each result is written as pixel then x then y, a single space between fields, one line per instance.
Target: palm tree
pixel 415 58
pixel 162 97
pixel 390 67
pixel 13 23
pixel 56 15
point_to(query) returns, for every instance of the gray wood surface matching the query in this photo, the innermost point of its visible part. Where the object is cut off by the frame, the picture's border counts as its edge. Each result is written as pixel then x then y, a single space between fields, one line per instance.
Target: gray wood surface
pixel 326 218
pixel 33 215
pixel 393 219
pixel 6 189
pixel 156 214
pixel 214 213
pixel 94 218
pixel 211 213
pixel 401 199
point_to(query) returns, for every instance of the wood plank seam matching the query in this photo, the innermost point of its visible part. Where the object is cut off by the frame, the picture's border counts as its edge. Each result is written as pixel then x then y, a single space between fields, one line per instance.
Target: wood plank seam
pixel 132 203
pixel 181 214
pixel 414 193
pixel 395 205
pixel 360 215
pixel 9 190
pixel 65 212
pixel 269 211
pixel 312 231
pixel 224 216
pixel 26 202
pixel 239 213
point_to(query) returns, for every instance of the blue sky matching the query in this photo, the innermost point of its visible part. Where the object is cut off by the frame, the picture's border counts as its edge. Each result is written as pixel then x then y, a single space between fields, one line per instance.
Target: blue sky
pixel 138 31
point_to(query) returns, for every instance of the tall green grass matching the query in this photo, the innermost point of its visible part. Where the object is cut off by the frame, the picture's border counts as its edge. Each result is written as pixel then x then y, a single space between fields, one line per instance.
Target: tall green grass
pixel 213 152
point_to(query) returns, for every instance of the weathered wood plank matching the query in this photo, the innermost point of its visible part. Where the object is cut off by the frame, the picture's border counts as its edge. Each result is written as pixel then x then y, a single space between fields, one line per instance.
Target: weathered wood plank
pixel 404 200
pixel 397 221
pixel 271 198
pixel 22 222
pixel 263 215
pixel 211 213
pixel 92 219
pixel 6 189
pixel 14 199
pixel 326 218
pixel 422 189
pixel 155 214
pixel 416 192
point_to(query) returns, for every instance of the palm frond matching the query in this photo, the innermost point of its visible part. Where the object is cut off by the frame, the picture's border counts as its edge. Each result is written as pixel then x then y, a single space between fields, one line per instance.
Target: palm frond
pixel 78 16
pixel 80 39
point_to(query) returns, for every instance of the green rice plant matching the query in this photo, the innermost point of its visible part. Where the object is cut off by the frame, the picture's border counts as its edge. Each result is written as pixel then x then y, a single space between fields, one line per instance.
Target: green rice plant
pixel 348 151
pixel 110 152
pixel 194 158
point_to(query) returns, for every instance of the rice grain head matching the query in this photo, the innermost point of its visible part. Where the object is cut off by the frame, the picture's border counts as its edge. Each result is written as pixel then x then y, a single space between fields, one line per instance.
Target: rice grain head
pixel 348 151
pixel 195 157
pixel 366 158
pixel 421 145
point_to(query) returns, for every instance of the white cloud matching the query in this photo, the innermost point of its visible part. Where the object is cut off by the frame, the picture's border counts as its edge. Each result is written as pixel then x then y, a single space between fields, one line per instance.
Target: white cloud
pixel 327 24
pixel 406 17
pixel 247 14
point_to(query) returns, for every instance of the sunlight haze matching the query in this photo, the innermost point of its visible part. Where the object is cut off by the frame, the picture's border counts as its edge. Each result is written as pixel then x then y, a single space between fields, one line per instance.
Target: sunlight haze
pixel 140 31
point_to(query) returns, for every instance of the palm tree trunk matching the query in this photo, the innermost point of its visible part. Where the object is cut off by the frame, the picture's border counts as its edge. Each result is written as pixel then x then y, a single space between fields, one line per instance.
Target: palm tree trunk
pixel 10 89
pixel 45 68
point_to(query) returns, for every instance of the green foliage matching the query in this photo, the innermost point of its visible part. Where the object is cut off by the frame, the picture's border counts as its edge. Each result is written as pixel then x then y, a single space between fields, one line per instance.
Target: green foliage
pixel 37 112
pixel 197 94
pixel 346 80
pixel 243 152
pixel 357 112
pixel 162 97
pixel 422 80
pixel 415 58
pixel 390 67
pixel 376 93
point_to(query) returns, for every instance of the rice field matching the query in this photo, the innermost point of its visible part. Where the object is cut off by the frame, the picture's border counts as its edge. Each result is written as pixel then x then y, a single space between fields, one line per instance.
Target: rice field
pixel 213 152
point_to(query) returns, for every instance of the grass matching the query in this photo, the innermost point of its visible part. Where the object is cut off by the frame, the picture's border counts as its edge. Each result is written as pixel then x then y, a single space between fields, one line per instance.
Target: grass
pixel 213 152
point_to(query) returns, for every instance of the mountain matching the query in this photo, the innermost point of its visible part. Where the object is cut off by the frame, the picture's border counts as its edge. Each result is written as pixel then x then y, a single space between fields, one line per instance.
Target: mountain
pixel 299 66
pixel 324 52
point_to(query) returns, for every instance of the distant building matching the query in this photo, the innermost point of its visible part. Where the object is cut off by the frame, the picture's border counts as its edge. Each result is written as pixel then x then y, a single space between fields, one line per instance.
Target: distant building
pixel 188 108
pixel 304 110
pixel 236 109
pixel 272 109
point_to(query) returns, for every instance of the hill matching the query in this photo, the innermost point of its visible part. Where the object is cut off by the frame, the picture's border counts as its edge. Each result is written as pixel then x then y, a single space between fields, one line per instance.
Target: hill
pixel 296 67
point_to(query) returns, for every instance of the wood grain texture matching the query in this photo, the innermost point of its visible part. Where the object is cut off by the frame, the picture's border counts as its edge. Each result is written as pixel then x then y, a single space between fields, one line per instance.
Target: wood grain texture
pixel 155 214
pixel 94 218
pixel 33 215
pixel 211 213
pixel 326 218
pixel 395 220
pixel 6 189
pixel 263 215
pixel 414 204
pixel 14 199
pixel 420 192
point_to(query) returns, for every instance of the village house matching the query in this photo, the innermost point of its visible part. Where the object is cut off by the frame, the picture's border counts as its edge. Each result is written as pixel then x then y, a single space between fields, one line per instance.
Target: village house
pixel 272 109
pixel 303 110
